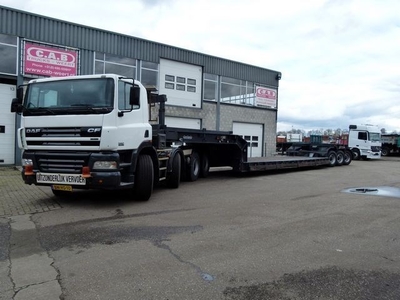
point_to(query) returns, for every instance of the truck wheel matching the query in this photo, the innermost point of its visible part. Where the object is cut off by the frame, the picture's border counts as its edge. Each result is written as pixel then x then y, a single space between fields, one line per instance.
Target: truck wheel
pixel 205 166
pixel 144 178
pixel 339 158
pixel 356 154
pixel 174 178
pixel 347 157
pixel 385 151
pixel 332 158
pixel 193 170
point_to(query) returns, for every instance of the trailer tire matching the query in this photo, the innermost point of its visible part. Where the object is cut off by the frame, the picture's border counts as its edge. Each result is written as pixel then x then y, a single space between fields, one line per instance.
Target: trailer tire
pixel 356 154
pixel 174 177
pixel 332 158
pixel 339 158
pixel 193 169
pixel 205 166
pixel 347 157
pixel 144 178
pixel 385 151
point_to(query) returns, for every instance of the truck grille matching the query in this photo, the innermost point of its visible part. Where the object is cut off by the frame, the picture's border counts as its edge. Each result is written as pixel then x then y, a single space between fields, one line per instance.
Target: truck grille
pixel 63 136
pixel 56 162
pixel 375 148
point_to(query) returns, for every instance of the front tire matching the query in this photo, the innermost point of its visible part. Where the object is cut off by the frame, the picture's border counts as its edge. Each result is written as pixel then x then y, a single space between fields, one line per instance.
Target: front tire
pixel 356 154
pixel 144 178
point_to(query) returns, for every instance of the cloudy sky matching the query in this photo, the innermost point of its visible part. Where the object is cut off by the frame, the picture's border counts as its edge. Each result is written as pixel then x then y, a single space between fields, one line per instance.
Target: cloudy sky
pixel 340 59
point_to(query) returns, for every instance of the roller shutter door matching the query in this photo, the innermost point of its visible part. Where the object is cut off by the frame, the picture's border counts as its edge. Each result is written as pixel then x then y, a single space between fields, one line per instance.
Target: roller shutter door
pixel 253 134
pixel 181 83
pixel 7 125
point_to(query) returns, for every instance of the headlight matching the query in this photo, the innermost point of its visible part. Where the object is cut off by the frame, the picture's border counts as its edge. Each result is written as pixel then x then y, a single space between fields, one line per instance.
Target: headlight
pixel 27 162
pixel 101 164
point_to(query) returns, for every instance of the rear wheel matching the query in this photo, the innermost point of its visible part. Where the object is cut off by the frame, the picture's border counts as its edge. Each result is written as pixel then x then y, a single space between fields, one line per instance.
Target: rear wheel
pixel 347 157
pixel 205 166
pixel 385 151
pixel 339 158
pixel 174 178
pixel 332 158
pixel 144 178
pixel 193 169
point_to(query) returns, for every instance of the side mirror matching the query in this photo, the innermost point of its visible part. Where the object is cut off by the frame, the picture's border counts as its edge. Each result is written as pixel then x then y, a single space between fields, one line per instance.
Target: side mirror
pixel 16 105
pixel 134 96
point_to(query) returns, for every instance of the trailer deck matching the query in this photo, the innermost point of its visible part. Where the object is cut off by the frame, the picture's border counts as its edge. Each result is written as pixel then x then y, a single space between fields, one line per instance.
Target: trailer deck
pixel 282 162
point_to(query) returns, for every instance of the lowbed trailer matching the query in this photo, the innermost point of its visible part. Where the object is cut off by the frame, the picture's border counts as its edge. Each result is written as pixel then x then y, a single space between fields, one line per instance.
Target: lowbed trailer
pixel 93 132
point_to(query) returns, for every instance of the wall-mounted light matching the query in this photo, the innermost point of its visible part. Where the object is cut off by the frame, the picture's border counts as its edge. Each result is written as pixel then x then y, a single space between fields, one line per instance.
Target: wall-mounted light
pixel 278 76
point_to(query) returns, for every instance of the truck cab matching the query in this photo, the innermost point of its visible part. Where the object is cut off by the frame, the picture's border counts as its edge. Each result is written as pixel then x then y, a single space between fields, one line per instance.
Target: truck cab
pixel 365 141
pixel 83 131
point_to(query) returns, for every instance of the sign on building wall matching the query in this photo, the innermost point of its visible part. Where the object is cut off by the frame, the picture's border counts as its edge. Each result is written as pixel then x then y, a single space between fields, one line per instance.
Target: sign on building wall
pixel 265 97
pixel 49 61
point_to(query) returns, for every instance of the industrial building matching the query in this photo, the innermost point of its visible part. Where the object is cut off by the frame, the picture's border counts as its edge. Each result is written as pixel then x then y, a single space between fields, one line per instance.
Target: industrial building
pixel 203 91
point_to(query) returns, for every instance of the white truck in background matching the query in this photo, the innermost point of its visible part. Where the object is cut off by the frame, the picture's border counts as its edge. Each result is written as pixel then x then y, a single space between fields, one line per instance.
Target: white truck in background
pixel 365 141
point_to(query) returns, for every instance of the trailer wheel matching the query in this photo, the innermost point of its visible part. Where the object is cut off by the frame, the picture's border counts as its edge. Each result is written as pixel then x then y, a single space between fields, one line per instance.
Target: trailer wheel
pixel 356 154
pixel 339 158
pixel 174 178
pixel 205 166
pixel 332 158
pixel 144 178
pixel 385 151
pixel 193 170
pixel 347 157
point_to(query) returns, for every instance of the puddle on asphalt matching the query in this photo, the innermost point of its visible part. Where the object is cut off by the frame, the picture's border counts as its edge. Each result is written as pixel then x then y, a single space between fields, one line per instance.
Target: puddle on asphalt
pixel 386 191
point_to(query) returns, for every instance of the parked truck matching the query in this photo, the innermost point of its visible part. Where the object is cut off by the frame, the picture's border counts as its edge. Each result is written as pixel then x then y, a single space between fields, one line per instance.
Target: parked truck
pixel 390 144
pixel 365 141
pixel 93 132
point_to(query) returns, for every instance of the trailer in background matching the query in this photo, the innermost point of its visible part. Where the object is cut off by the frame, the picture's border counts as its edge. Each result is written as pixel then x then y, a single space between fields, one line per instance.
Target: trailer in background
pixel 390 144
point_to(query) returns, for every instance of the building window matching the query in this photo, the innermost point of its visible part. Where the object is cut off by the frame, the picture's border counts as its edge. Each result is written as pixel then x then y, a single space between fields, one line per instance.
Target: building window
pixel 108 63
pixel 149 74
pixel 210 83
pixel 8 54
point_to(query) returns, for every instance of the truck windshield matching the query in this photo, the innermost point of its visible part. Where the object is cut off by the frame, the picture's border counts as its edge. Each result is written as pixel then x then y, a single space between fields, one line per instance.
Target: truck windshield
pixel 375 137
pixel 94 95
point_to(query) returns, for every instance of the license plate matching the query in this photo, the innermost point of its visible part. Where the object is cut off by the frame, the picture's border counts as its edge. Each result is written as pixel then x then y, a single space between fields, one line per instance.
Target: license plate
pixel 66 188
pixel 60 179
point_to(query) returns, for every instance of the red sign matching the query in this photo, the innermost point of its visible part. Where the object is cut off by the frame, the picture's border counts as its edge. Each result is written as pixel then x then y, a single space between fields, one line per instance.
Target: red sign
pixel 266 96
pixel 48 61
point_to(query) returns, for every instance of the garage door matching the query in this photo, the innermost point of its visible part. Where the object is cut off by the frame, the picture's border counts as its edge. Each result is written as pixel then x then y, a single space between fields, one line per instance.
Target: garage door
pixel 253 134
pixel 183 122
pixel 181 83
pixel 7 125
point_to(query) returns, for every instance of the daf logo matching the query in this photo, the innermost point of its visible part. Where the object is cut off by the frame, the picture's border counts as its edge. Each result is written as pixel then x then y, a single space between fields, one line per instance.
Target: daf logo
pixel 93 130
pixel 33 130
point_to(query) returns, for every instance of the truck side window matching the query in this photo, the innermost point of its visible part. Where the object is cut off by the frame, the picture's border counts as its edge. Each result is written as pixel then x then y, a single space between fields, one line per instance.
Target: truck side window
pixel 362 135
pixel 123 96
